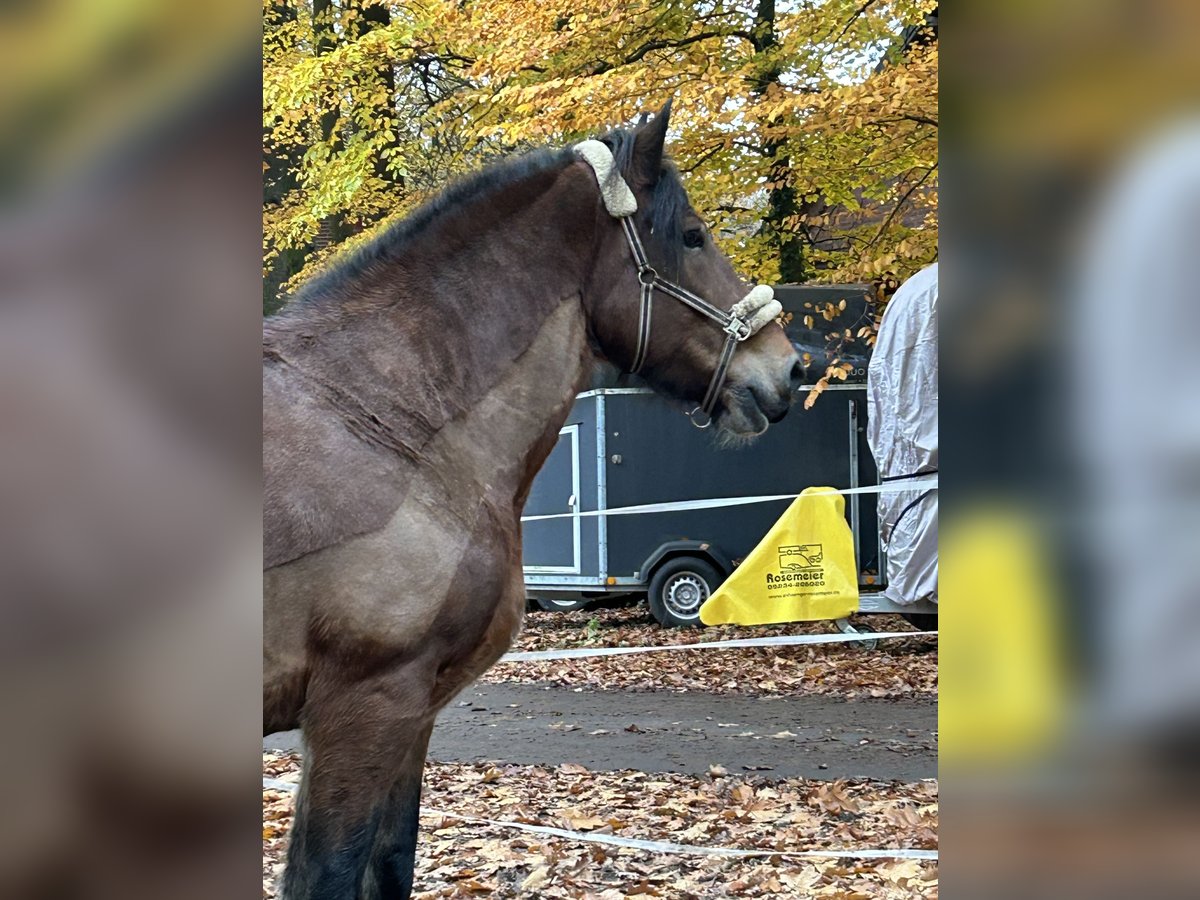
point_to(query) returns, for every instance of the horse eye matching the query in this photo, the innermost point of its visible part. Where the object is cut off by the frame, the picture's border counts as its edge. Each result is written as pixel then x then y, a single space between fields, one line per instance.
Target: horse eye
pixel 693 238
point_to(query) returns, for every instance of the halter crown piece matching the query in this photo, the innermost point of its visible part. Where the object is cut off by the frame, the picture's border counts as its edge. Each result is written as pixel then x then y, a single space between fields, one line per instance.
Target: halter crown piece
pixel 748 315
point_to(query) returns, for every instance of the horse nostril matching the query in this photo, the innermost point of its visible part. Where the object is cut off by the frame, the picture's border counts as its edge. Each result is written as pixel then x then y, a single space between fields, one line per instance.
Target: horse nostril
pixel 797 375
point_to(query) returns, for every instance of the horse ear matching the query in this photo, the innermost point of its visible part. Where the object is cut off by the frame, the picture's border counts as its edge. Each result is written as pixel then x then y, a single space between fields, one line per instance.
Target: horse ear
pixel 648 148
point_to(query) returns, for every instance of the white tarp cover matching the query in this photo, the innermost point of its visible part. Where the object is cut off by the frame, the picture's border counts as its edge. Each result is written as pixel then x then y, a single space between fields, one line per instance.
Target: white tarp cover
pixel 902 430
pixel 1138 438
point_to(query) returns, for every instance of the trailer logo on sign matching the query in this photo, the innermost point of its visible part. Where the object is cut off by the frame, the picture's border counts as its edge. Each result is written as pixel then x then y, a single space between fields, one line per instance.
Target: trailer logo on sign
pixel 794 557
pixel 799 568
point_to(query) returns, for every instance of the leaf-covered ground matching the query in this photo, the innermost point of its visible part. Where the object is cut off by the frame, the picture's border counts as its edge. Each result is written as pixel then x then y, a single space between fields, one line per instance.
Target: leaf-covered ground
pixel 901 667
pixel 459 859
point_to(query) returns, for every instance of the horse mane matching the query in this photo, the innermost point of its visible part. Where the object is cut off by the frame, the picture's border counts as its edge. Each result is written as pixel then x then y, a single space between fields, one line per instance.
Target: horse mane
pixel 664 217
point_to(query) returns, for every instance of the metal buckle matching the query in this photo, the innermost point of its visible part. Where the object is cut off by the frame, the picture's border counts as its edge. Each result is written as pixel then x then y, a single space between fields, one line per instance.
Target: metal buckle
pixel 738 329
pixel 692 417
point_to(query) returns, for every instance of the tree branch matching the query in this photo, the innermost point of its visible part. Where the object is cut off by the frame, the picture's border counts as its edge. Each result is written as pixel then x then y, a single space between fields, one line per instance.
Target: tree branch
pixel 753 148
pixel 705 158
pixel 923 120
pixel 854 18
pixel 899 203
pixel 603 66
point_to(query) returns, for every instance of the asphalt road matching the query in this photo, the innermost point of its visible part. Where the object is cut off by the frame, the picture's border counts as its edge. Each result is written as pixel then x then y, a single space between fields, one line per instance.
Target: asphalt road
pixel 811 736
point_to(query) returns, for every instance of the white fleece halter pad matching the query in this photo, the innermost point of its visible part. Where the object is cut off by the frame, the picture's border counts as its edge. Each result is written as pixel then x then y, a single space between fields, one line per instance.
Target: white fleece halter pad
pixel 758 307
pixel 618 198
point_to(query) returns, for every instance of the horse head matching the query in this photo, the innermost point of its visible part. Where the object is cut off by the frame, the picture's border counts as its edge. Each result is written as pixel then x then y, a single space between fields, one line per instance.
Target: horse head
pixel 664 301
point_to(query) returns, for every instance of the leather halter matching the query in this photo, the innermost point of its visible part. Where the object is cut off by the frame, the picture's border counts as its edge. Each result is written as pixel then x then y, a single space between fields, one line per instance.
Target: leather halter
pixel 748 315
pixel 736 328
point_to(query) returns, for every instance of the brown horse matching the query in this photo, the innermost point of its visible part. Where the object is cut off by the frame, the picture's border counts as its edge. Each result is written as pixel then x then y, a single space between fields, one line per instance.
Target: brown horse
pixel 409 397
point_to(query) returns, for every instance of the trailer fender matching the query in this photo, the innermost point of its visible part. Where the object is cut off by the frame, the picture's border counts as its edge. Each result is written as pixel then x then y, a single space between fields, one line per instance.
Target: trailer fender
pixel 672 549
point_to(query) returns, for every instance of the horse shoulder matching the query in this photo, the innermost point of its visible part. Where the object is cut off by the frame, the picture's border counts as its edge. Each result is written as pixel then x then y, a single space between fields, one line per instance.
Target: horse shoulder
pixel 321 483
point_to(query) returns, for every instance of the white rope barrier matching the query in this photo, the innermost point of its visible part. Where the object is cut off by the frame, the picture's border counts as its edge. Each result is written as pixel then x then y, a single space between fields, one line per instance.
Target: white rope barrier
pixel 614 840
pixel 891 487
pixel 778 641
pixel 690 849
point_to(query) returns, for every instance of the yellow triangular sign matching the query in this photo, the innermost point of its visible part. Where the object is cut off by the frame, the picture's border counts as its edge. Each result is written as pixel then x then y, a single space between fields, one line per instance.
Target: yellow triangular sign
pixel 802 570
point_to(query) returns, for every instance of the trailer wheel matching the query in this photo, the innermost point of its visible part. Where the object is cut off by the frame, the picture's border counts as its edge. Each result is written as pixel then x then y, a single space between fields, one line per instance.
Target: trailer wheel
pixel 678 590
pixel 561 605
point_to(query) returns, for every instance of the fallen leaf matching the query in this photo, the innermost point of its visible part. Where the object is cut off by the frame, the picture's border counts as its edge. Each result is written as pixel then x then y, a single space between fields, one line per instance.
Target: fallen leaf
pixel 832 798
pixel 536 879
pixel 584 823
pixel 642 887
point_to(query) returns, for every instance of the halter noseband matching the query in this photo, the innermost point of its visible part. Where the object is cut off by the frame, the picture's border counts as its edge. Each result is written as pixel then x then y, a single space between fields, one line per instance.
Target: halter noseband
pixel 748 315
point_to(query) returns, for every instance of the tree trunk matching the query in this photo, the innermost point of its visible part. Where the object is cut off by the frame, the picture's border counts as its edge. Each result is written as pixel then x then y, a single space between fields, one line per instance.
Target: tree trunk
pixel 278 181
pixel 782 202
pixel 369 18
pixel 324 40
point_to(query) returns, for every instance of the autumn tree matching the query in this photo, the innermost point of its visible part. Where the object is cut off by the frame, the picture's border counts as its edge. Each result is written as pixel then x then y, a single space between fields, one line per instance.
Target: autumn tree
pixel 352 132
pixel 806 131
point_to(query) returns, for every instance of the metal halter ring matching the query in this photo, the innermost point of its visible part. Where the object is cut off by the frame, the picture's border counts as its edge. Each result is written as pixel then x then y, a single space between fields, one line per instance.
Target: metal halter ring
pixel 707 416
pixel 738 328
pixel 646 276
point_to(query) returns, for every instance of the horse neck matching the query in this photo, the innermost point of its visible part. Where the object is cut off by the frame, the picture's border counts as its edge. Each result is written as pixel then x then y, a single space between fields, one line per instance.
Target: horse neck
pixel 479 321
pixel 500 443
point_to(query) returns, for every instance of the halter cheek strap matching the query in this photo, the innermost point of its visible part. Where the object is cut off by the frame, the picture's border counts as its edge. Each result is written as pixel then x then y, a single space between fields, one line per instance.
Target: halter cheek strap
pixel 748 315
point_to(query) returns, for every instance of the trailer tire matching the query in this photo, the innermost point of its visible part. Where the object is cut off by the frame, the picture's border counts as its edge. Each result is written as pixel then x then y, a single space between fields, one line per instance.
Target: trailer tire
pixel 551 605
pixel 679 588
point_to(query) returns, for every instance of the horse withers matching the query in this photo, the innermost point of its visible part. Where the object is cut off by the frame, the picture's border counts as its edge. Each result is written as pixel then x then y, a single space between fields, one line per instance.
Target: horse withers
pixel 410 395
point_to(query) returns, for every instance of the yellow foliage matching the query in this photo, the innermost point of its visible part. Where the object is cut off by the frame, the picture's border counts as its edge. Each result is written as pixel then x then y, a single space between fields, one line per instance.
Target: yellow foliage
pixel 796 108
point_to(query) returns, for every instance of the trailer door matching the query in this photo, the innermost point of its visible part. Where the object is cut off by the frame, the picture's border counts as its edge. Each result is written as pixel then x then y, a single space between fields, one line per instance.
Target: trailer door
pixel 553 546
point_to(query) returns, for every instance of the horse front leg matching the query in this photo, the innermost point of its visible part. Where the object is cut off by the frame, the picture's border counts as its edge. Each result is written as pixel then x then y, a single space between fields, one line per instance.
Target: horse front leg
pixel 389 874
pixel 361 740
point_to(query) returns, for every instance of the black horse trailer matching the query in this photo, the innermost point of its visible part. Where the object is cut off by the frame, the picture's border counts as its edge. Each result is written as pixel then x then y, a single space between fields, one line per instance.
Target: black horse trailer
pixel 623 445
